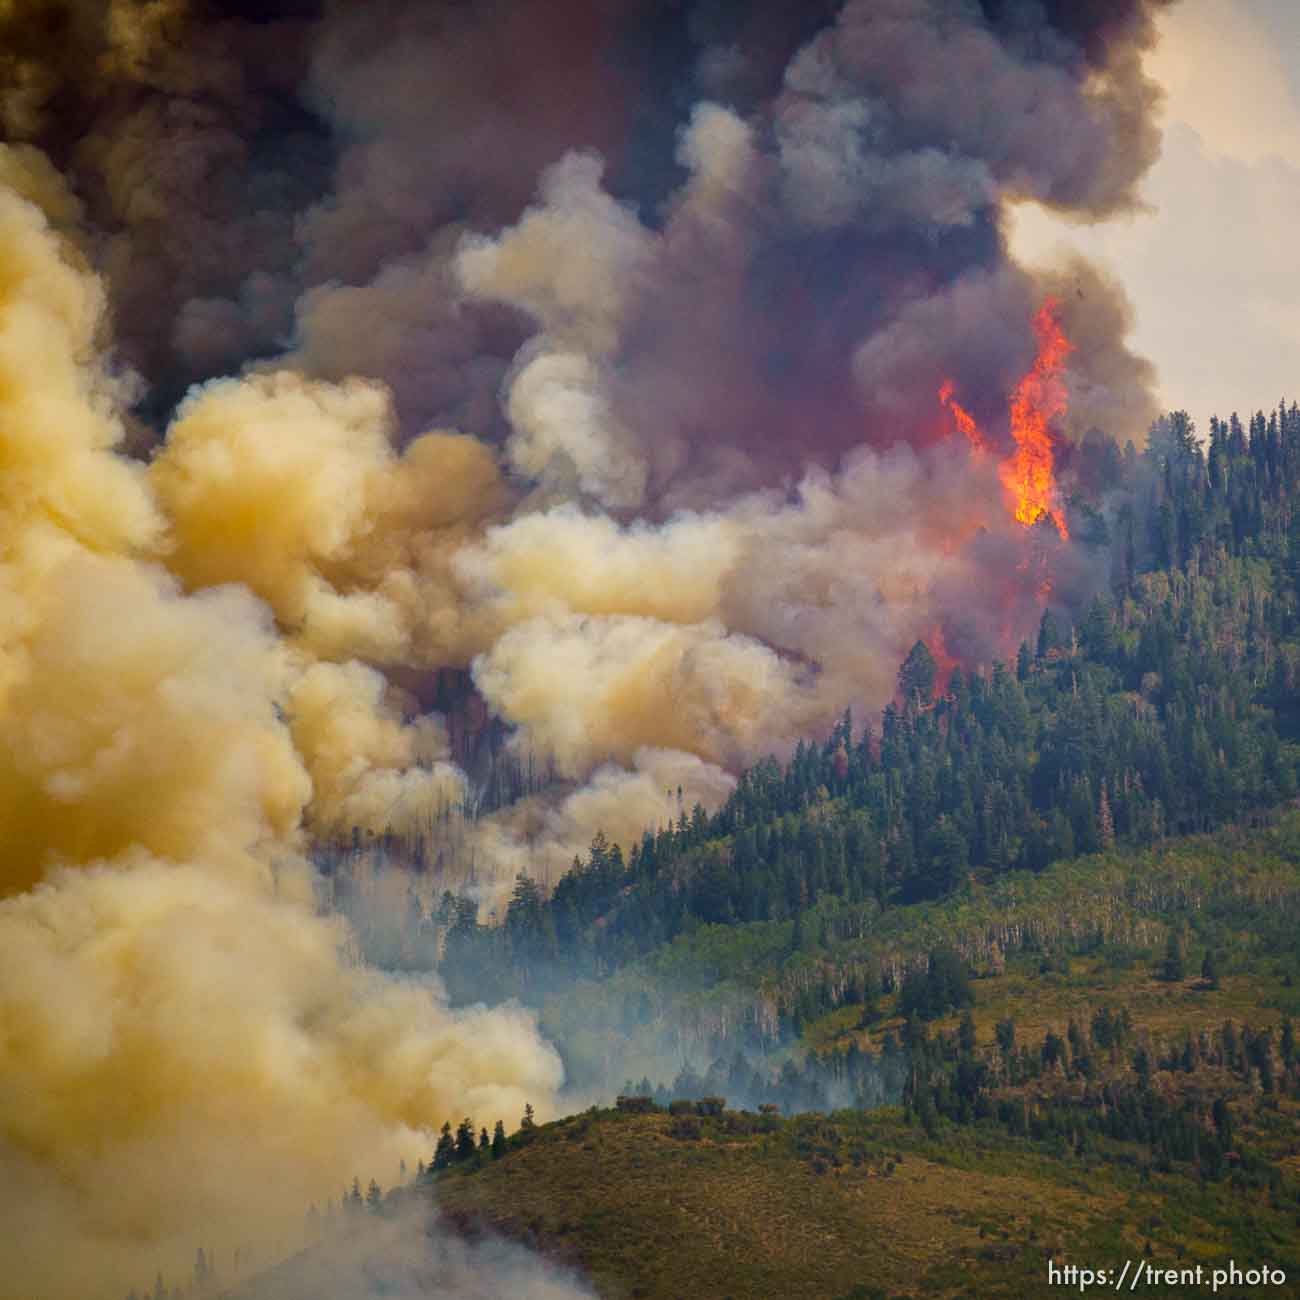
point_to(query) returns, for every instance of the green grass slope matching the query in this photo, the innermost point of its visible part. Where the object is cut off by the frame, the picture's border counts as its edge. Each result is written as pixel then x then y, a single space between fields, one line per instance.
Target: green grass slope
pixel 891 1203
pixel 852 1206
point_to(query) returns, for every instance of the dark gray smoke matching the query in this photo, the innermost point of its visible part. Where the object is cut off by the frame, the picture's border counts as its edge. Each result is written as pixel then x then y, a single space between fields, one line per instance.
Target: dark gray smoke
pixel 261 174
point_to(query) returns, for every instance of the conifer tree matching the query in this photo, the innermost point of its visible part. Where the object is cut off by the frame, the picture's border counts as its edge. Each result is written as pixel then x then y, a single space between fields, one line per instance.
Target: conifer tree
pixel 1049 635
pixel 1173 968
pixel 465 1139
pixel 917 676
pixel 446 1148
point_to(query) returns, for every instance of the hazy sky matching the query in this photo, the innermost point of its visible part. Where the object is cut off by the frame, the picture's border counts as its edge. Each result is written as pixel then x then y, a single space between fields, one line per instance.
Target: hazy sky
pixel 1214 269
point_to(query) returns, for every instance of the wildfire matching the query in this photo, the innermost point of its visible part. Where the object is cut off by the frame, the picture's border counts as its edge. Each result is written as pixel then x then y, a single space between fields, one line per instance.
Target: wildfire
pixel 1028 473
pixel 1038 400
pixel 964 420
pixel 944 663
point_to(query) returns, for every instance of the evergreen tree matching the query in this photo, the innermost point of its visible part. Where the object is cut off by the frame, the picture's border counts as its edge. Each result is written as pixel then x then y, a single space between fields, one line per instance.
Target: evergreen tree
pixel 464 1139
pixel 1142 1065
pixel 445 1151
pixel 1173 967
pixel 966 1034
pixel 916 678
pixel 1005 1033
pixel 498 1140
pixel 1049 635
pixel 1024 662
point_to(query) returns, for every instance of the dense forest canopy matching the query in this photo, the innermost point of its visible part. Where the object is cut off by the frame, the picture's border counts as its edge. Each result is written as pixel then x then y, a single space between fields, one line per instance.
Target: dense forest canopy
pixel 1163 703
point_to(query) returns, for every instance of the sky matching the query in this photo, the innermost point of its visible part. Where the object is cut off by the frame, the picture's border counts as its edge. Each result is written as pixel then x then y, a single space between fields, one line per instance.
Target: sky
pixel 1213 266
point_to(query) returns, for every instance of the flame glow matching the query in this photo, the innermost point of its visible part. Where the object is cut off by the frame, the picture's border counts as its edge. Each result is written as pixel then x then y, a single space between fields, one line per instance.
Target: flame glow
pixel 964 420
pixel 1039 399
pixel 944 662
pixel 1028 473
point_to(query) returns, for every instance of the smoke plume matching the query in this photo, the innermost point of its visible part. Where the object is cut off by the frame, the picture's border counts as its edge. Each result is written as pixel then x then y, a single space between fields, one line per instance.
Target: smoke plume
pixel 584 357
pixel 189 1051
pixel 406 1256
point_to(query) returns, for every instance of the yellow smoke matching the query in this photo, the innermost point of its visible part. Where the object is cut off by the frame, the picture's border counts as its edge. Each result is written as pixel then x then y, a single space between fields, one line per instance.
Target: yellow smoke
pixel 292 488
pixel 192 683
pixel 592 690
pixel 541 836
pixel 188 1061
pixel 367 769
pixel 188 1054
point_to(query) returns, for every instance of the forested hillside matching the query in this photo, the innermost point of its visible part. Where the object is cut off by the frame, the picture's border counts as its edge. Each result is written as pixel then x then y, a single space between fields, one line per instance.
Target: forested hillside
pixel 1033 933
pixel 1166 704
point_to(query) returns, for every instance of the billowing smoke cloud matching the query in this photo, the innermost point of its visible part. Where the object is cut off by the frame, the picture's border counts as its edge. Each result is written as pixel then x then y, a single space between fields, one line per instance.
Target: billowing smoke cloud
pixel 189 1051
pixel 586 354
pixel 408 1255
pixel 293 489
pixel 182 126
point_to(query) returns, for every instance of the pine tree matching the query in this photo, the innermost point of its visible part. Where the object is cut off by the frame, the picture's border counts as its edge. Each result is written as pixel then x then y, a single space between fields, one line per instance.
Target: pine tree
pixel 484 1142
pixel 498 1141
pixel 445 1150
pixel 1024 661
pixel 966 1034
pixel 1006 1036
pixel 1173 969
pixel 1142 1065
pixel 917 676
pixel 1210 969
pixel 1049 635
pixel 465 1139
pixel 374 1197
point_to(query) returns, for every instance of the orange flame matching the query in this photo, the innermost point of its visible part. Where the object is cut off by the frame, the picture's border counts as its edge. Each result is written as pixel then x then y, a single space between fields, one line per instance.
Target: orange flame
pixel 1028 474
pixel 1039 399
pixel 944 663
pixel 964 420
